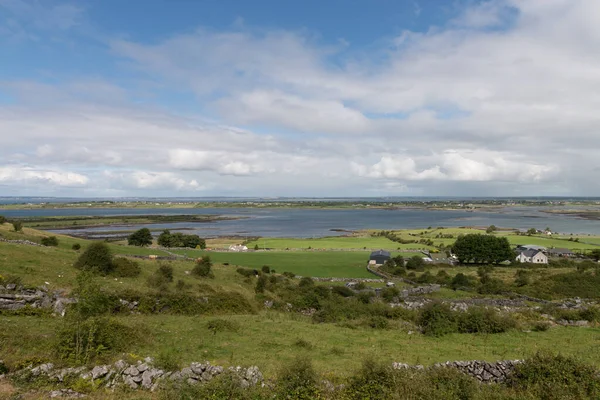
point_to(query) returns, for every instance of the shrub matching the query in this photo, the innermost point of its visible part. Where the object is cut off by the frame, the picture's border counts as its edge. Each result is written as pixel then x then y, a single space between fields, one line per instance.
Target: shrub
pixel 245 272
pixel 166 271
pixel 49 241
pixel 222 325
pixel 548 376
pixel 298 380
pixel 126 268
pixel 203 267
pixel 265 269
pixel 76 246
pixel 365 297
pixel 373 381
pixel 17 226
pixel 415 263
pixel 484 320
pixel 378 322
pixel 591 314
pixel 290 275
pixel 306 282
pixel 261 283
pixel 303 344
pixel 2 221
pixel 540 327
pixel 342 291
pixel 389 293
pixel 437 319
pixel 82 341
pixel 97 259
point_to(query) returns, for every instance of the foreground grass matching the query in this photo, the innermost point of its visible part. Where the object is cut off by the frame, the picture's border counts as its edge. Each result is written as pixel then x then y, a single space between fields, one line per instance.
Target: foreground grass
pixel 270 338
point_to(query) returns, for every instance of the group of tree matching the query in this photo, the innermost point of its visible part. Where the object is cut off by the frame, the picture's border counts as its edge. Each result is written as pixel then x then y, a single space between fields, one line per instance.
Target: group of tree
pixel 168 239
pixel 141 237
pixel 482 249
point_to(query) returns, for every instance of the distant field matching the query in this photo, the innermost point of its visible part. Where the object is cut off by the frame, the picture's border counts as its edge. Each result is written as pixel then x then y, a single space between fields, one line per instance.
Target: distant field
pixel 351 264
pixel 342 242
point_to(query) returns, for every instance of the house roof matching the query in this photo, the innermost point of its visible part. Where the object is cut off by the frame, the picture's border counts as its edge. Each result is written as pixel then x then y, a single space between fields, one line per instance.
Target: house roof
pixel 559 251
pixel 381 253
pixel 530 252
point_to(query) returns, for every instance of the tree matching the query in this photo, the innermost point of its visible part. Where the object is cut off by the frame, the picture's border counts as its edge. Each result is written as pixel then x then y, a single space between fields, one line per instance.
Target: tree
pixel 531 231
pixel 482 249
pixel 168 239
pixel 50 241
pixel 17 226
pixel 416 263
pixel 164 239
pixel 141 237
pixel 97 258
pixel 595 254
pixel 491 229
pixel 2 219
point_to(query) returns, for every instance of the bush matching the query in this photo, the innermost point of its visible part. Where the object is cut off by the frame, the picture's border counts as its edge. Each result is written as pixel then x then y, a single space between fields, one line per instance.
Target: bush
pixel 437 319
pixel 290 275
pixel 373 381
pixel 415 263
pixel 246 272
pixel 76 246
pixel 389 293
pixel 166 271
pixel 540 327
pixel 342 291
pixel 222 325
pixel 298 380
pixel 265 269
pixel 378 322
pixel 306 282
pixel 49 241
pixel 168 239
pixel 2 221
pixel 97 259
pixel 83 341
pixel 261 283
pixel 203 267
pixel 548 376
pixel 126 268
pixel 484 320
pixel 17 226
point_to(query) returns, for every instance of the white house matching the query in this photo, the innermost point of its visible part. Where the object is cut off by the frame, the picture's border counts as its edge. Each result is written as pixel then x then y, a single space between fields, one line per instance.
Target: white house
pixel 532 256
pixel 238 247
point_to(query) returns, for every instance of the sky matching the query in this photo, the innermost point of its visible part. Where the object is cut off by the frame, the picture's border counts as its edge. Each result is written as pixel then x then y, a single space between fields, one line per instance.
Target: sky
pixel 299 98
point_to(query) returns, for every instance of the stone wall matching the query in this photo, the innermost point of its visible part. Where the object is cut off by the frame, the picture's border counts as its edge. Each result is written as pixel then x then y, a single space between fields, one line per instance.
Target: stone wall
pixel 141 375
pixel 483 371
pixel 27 242
pixel 13 297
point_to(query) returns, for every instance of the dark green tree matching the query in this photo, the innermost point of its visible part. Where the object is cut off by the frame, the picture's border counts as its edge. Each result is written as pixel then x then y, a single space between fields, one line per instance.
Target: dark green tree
pixel 415 263
pixel 50 241
pixel 2 219
pixel 491 229
pixel 97 259
pixel 482 249
pixel 595 254
pixel 141 237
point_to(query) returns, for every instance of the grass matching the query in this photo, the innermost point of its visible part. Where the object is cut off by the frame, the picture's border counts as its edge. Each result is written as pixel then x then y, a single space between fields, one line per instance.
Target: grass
pixel 338 243
pixel 305 263
pixel 268 339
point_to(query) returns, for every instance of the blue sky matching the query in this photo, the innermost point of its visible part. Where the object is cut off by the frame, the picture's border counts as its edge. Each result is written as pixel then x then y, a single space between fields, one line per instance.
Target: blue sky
pixel 267 98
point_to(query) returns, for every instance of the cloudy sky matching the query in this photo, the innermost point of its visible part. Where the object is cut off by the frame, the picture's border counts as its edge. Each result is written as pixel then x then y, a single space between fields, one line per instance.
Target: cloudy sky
pixel 299 98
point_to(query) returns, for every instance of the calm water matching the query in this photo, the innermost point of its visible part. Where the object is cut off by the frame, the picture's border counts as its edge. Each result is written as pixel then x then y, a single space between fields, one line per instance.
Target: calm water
pixel 318 223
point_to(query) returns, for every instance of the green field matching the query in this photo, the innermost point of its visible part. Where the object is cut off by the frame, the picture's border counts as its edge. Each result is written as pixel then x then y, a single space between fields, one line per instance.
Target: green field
pixel 330 243
pixel 350 264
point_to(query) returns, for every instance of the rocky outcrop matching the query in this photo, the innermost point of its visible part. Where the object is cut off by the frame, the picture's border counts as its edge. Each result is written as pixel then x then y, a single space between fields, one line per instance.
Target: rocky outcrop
pixel 141 375
pixel 483 371
pixel 13 297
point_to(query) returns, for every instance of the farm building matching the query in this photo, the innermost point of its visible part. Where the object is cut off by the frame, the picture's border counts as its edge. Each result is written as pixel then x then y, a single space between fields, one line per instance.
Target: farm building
pixel 532 256
pixel 560 252
pixel 441 258
pixel 379 257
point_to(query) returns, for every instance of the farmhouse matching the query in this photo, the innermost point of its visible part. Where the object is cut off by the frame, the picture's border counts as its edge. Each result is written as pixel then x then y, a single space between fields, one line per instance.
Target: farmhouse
pixel 379 257
pixel 238 247
pixel 532 256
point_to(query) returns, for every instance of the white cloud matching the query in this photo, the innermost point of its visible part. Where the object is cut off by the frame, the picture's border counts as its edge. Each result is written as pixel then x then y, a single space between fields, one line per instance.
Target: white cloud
pixel 152 180
pixel 28 175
